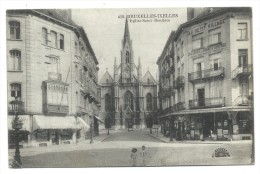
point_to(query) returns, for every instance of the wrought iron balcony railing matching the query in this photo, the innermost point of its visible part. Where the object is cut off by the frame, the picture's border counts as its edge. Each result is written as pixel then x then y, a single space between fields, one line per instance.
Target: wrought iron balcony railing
pixel 54 76
pixel 56 109
pixel 206 74
pixel 244 70
pixel 179 106
pixel 207 103
pixel 179 82
pixel 243 100
pixel 20 111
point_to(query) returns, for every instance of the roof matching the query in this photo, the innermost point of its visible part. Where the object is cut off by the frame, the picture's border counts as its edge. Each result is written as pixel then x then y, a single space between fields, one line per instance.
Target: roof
pixel 170 38
pixel 106 78
pixel 206 16
pixel 149 76
pixel 85 38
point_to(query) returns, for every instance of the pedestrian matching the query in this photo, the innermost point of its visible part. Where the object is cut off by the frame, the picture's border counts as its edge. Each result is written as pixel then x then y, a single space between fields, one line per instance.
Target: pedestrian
pixel 144 155
pixel 134 157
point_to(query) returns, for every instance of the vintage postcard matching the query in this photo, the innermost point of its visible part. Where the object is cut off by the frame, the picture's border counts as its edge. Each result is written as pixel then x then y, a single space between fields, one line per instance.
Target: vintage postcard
pixel 130 87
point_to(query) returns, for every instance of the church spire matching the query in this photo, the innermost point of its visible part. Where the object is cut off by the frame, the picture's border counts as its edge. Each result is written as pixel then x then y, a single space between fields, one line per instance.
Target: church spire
pixel 126 34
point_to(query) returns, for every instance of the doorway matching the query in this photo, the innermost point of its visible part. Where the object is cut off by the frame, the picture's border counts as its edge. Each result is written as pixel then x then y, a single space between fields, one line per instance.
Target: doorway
pixel 201 97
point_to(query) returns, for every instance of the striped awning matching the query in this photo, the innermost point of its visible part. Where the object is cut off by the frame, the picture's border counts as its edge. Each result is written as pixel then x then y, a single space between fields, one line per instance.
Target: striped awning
pixel 58 122
pixel 25 120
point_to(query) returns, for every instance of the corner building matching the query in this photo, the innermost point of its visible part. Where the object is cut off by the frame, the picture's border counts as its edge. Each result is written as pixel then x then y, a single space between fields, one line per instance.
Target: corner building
pixel 52 70
pixel 128 98
pixel 207 66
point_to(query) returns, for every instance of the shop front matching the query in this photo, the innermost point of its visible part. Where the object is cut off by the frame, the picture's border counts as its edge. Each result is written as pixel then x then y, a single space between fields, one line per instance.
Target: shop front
pixel 55 130
pixel 209 124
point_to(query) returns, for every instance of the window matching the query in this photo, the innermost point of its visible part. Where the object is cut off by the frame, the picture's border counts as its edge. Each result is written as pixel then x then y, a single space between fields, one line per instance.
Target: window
pixel 215 61
pixel 54 64
pixel 44 36
pixel 127 57
pixel 53 39
pixel 107 102
pixel 242 57
pixel 62 41
pixel 215 88
pixel 129 100
pixel 182 53
pixel 198 43
pixel 149 104
pixel 214 38
pixel 16 90
pixel 242 31
pixel 14 30
pixel 15 60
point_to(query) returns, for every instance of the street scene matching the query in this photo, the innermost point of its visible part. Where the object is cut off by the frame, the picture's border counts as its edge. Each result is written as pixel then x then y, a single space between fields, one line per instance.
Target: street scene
pixel 115 150
pixel 130 87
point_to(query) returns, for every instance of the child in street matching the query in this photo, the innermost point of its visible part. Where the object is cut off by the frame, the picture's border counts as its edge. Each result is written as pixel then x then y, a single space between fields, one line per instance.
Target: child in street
pixel 144 156
pixel 134 157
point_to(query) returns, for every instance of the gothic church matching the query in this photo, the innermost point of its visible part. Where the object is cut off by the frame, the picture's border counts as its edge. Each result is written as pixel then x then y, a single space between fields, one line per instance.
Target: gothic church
pixel 128 98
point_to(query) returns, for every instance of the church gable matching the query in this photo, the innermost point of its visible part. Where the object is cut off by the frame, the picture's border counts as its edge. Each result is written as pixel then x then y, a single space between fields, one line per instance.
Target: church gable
pixel 148 78
pixel 106 78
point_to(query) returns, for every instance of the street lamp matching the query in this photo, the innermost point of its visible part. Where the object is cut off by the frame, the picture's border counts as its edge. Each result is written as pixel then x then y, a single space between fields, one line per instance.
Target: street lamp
pixel 17 125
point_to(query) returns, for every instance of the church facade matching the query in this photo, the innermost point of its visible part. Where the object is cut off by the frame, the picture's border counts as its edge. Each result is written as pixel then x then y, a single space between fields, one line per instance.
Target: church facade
pixel 128 98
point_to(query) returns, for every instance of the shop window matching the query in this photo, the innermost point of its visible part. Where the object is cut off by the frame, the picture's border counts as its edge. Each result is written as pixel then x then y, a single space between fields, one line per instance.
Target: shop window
pixel 15 60
pixel 44 36
pixel 62 41
pixel 242 31
pixel 66 134
pixel 42 135
pixel 14 30
pixel 243 123
pixel 16 90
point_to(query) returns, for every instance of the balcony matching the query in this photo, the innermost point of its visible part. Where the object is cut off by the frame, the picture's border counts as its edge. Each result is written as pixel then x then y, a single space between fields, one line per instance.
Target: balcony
pixel 206 74
pixel 179 82
pixel 243 100
pixel 54 76
pixel 21 109
pixel 207 103
pixel 179 106
pixel 242 71
pixel 55 109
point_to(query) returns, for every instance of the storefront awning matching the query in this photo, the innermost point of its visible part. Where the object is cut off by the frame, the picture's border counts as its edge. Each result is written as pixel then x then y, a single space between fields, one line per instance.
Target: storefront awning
pixel 99 119
pixel 209 110
pixel 58 122
pixel 24 118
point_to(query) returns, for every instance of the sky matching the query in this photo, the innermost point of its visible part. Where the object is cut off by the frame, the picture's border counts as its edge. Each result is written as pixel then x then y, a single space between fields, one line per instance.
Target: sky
pixel 105 30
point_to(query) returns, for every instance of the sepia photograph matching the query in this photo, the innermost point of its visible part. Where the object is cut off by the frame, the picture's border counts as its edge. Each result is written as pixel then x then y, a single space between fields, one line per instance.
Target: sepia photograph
pixel 130 87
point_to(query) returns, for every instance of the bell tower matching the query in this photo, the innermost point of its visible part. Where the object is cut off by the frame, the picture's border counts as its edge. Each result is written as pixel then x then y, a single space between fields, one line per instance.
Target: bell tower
pixel 127 54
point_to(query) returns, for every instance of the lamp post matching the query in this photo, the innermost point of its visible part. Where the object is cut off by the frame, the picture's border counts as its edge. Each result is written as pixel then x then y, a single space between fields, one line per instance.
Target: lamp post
pixel 91 131
pixel 16 125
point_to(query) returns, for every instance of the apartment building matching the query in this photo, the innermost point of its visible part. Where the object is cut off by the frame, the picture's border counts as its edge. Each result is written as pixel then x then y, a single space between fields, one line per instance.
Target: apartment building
pixel 52 71
pixel 206 80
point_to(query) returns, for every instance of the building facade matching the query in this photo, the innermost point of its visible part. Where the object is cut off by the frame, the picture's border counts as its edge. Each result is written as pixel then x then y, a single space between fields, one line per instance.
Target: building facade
pixel 128 98
pixel 52 70
pixel 207 66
